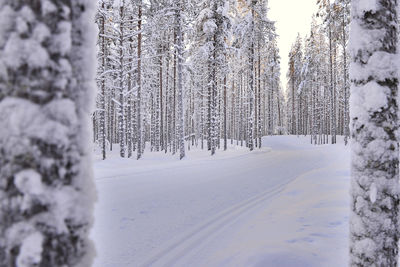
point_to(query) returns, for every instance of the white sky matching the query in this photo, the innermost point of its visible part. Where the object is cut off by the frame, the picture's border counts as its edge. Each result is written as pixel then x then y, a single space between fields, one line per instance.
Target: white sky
pixel 292 17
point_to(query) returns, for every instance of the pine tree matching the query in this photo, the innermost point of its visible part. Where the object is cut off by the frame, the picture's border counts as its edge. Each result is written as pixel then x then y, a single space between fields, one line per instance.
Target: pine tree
pixel 201 77
pixel 101 20
pixel 179 55
pixel 374 227
pixel 139 109
pixel 46 86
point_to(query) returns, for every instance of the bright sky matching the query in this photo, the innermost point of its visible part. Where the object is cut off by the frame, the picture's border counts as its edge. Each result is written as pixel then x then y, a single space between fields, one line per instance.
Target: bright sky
pixel 292 17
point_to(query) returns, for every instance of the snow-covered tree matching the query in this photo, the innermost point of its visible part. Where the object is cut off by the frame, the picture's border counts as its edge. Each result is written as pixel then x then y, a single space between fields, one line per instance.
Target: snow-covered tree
pixel 294 82
pixel 374 222
pixel 179 56
pixel 207 67
pixel 46 86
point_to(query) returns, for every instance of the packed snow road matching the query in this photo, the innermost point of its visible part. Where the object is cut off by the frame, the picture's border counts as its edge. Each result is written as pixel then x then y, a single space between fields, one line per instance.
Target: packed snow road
pixel 283 205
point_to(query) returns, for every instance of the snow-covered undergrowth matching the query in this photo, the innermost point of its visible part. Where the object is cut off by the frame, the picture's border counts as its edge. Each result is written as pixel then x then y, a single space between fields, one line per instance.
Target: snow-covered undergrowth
pixel 284 205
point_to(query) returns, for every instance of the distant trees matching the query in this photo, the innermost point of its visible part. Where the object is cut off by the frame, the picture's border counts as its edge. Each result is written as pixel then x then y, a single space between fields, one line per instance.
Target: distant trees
pixel 46 93
pixel 295 80
pixel 318 83
pixel 176 73
pixel 374 222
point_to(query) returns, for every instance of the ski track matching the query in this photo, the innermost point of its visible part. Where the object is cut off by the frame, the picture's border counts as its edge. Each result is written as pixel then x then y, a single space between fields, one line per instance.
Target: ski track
pixel 183 246
pixel 177 239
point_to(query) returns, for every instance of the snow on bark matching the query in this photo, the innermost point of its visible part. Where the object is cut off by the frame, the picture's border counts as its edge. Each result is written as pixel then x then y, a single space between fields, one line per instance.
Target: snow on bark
pixel 179 52
pixel 375 186
pixel 46 90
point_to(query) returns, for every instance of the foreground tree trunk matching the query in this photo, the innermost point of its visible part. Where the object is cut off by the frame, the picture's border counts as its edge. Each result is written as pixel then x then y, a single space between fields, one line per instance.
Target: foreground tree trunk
pixel 375 186
pixel 46 94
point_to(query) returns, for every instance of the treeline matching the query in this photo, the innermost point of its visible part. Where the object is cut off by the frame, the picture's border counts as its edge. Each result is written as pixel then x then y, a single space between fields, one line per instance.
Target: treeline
pixel 177 74
pixel 318 77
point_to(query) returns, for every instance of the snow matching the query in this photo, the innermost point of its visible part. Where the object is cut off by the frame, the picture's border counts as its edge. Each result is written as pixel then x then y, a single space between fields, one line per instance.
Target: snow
pixel 6 21
pixel 368 98
pixel 209 27
pixel 31 250
pixel 62 41
pixel 29 182
pixel 374 186
pixel 373 192
pixel 48 7
pixel 284 205
pixel 53 122
pixel 18 51
pixel 47 193
pixel 366 6
pixel 225 9
pixel 41 32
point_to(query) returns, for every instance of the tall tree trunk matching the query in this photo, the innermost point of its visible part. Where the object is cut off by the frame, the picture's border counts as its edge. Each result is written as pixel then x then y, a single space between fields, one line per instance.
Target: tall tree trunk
pixel 103 88
pixel 174 96
pixel 225 129
pixel 331 86
pixel 161 99
pixel 250 129
pixel 139 84
pixel 345 81
pixel 374 222
pixel 121 74
pixel 179 53
pixel 259 134
pixel 47 189
pixel 129 107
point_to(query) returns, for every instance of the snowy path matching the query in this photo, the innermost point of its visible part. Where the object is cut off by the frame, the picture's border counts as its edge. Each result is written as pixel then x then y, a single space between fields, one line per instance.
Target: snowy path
pixel 236 209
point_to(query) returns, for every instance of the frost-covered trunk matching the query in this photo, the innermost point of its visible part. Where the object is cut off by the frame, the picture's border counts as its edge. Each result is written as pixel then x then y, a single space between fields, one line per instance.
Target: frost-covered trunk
pixel 103 84
pixel 259 128
pixel 129 126
pixel 225 129
pixel 139 84
pixel 121 78
pixel 374 218
pixel 173 138
pixel 179 52
pixel 212 100
pixel 251 83
pixel 47 62
pixel 161 108
pixel 293 117
pixel 332 117
pixel 345 83
pixel 212 87
pixel 167 107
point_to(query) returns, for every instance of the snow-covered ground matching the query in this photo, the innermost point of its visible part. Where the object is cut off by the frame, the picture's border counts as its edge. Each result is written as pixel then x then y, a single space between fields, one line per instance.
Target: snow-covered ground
pixel 284 205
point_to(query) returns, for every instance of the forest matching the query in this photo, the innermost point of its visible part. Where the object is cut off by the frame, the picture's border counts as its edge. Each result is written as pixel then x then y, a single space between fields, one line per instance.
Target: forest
pixel 186 133
pixel 212 76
